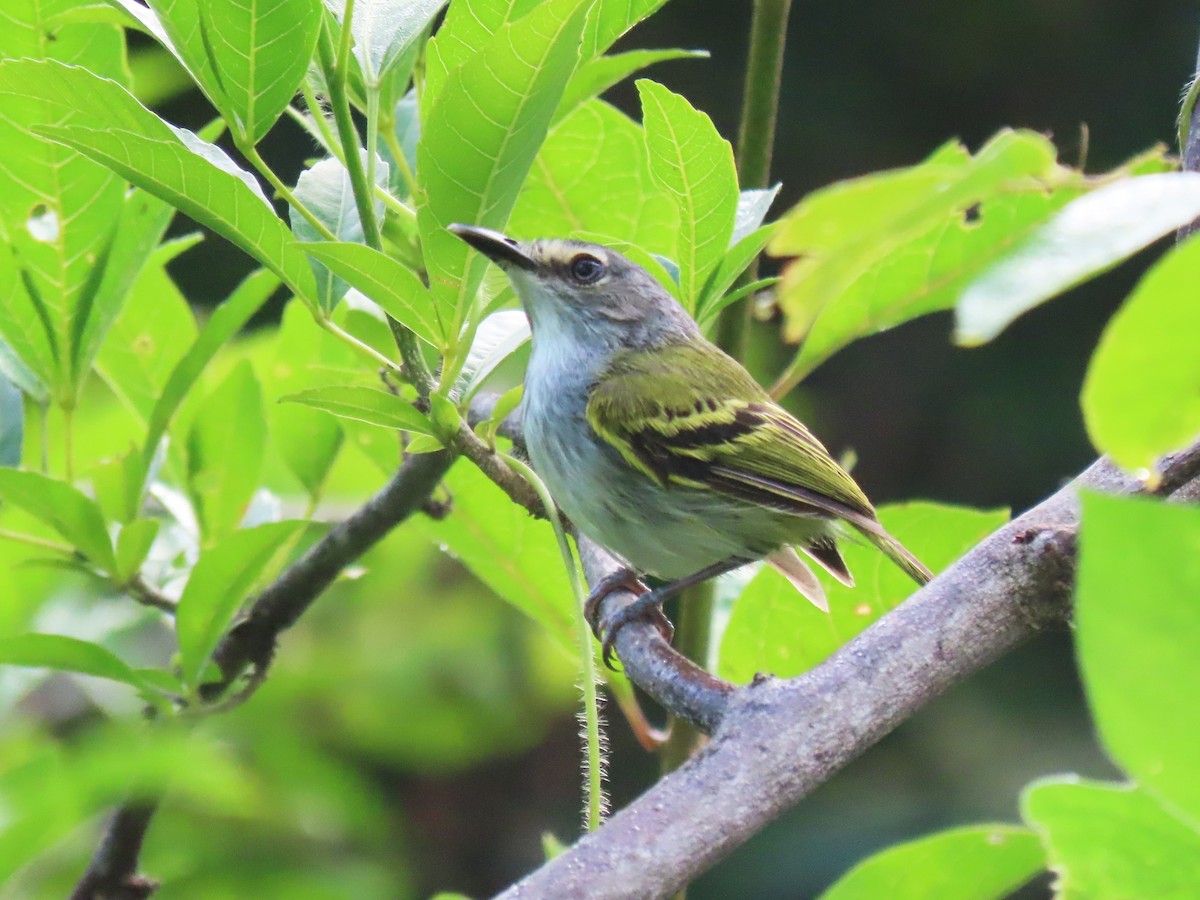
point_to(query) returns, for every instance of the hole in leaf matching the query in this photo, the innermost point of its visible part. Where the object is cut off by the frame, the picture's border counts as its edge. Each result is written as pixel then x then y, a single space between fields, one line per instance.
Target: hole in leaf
pixel 972 214
pixel 42 224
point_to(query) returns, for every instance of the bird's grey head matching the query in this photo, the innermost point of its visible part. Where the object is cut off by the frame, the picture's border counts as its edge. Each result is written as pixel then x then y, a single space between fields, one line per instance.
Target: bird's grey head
pixel 584 292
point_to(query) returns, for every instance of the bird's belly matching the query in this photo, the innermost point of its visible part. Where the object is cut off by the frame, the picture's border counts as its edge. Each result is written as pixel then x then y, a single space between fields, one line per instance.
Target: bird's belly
pixel 669 532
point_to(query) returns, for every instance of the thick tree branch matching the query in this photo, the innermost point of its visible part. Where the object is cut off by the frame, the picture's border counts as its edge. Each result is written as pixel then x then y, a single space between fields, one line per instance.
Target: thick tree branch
pixel 776 741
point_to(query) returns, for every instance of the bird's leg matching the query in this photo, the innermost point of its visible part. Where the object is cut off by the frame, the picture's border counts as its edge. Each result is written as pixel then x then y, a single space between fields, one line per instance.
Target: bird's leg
pixel 623 578
pixel 649 604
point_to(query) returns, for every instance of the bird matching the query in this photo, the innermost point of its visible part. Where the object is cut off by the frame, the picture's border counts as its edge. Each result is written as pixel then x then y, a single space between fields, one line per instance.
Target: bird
pixel 658 445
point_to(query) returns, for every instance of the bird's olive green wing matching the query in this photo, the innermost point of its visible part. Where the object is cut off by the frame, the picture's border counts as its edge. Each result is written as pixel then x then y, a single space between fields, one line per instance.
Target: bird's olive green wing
pixel 690 415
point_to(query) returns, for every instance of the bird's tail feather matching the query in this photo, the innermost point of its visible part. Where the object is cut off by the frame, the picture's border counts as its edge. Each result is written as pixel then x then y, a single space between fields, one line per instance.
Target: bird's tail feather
pixel 788 563
pixel 899 554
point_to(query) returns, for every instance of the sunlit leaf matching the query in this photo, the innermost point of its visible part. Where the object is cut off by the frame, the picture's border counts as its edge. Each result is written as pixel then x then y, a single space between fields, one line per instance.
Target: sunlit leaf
pixel 307 440
pixel 1140 398
pixel 1111 840
pixel 1088 236
pixel 396 290
pixel 593 175
pixel 695 164
pixel 981 861
pixel 225 322
pixel 58 208
pixel 879 250
pixel 221 580
pixel 152 332
pixel 225 452
pixel 64 508
pixel 133 545
pixel 52 651
pixel 248 56
pixel 597 75
pixel 108 125
pixel 384 29
pixel 365 404
pixel 509 551
pixel 1137 619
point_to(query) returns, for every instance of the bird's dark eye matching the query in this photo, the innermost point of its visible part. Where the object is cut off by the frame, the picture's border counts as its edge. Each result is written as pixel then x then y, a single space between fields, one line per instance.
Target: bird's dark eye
pixel 586 269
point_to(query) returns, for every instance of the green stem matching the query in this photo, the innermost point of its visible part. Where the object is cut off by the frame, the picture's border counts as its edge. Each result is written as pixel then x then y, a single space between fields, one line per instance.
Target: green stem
pixel 756 138
pixel 335 79
pixel 249 151
pixel 358 345
pixel 372 134
pixel 587 659
pixel 43 416
pixel 415 368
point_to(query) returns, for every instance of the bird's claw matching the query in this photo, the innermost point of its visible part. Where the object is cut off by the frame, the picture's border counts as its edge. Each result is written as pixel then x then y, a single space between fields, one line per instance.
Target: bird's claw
pixel 644 607
pixel 624 579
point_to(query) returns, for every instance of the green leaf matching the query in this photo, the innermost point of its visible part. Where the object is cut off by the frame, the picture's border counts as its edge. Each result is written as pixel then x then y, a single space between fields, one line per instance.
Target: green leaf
pixel 225 452
pixel 595 76
pixel 65 509
pixel 138 228
pixel 150 336
pixel 12 423
pixel 57 209
pixel 498 338
pixel 880 250
pixel 221 580
pixel 1088 236
pixel 109 126
pixel 307 440
pixel 1106 840
pixel 1137 625
pixel 396 290
pixel 383 30
pixel 974 863
pixel 513 554
pixel 593 175
pixel 738 258
pixel 774 629
pixel 117 484
pixel 365 404
pixel 692 161
pixel 225 322
pixel 469 26
pixel 133 545
pixel 52 651
pixel 247 56
pixel 608 20
pixel 480 138
pixel 1140 397
pixel 327 191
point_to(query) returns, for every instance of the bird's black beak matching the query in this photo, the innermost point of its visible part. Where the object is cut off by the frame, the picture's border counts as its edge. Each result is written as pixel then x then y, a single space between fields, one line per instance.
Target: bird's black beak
pixel 501 250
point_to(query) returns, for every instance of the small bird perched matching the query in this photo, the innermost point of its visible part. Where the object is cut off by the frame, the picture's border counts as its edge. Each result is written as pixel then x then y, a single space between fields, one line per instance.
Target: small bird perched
pixel 658 445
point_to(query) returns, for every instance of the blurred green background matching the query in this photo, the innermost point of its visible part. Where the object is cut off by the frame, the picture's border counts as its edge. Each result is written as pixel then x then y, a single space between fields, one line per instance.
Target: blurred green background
pixel 419 735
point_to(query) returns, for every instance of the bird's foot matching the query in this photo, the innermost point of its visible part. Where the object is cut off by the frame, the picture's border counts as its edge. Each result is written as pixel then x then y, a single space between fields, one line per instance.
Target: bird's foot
pixel 649 607
pixel 624 579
